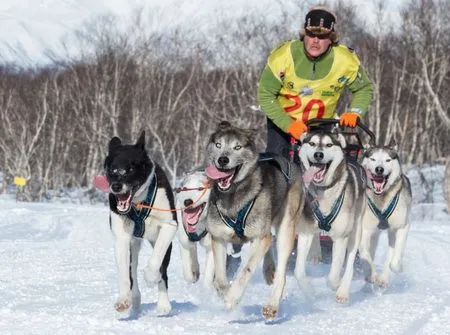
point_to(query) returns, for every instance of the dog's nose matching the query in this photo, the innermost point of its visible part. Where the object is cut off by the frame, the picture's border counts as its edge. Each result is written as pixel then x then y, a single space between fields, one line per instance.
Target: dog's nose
pixel 223 160
pixel 318 155
pixel 379 170
pixel 188 202
pixel 116 187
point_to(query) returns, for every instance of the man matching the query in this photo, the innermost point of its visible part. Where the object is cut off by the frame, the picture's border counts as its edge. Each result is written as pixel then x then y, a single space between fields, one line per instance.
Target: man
pixel 303 79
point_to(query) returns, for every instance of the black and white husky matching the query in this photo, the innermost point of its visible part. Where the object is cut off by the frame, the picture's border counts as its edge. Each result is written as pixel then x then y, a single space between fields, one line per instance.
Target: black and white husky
pixel 141 207
pixel 335 202
pixel 388 207
pixel 250 196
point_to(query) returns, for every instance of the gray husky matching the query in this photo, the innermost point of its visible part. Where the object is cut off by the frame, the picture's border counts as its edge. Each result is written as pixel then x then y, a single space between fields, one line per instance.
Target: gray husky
pixel 335 202
pixel 388 207
pixel 250 195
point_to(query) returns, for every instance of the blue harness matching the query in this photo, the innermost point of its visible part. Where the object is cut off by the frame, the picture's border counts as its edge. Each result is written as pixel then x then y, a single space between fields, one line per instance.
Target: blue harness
pixel 383 216
pixel 138 216
pixel 238 225
pixel 325 221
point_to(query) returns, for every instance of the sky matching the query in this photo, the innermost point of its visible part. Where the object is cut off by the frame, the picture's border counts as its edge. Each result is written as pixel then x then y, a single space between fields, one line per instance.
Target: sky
pixel 28 28
pixel 58 276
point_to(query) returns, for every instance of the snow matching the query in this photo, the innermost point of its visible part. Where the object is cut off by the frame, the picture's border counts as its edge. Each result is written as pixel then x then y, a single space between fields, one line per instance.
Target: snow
pixel 58 276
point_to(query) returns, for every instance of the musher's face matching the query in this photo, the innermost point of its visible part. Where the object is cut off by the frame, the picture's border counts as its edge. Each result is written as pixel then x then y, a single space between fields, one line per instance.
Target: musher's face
pixel 316 46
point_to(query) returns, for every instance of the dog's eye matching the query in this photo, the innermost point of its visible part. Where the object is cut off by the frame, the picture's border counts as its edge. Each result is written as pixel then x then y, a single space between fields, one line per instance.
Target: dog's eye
pixel 312 144
pixel 237 147
pixel 388 160
pixel 329 145
pixel 218 145
pixel 372 159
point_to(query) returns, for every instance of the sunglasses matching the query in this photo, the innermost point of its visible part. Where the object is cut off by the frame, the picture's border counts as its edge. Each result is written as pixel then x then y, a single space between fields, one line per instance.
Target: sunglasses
pixel 320 37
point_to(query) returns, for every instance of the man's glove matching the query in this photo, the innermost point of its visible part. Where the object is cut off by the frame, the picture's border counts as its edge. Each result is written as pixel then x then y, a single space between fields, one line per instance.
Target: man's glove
pixel 349 119
pixel 296 129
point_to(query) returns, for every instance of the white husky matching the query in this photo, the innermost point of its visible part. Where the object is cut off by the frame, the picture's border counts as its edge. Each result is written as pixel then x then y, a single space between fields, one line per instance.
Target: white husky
pixel 388 207
pixel 335 202
pixel 192 196
pixel 192 201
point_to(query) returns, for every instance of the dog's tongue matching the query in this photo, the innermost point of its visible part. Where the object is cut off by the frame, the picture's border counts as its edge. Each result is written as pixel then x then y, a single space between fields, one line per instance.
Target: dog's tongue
pixel 190 218
pixel 312 172
pixel 101 183
pixel 214 173
pixel 123 201
pixel 378 184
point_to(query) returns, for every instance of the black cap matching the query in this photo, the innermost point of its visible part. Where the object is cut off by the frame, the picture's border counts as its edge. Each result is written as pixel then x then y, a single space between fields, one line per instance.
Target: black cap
pixel 320 18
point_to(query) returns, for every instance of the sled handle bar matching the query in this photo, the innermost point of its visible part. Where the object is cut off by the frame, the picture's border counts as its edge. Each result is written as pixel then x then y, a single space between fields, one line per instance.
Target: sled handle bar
pixel 360 124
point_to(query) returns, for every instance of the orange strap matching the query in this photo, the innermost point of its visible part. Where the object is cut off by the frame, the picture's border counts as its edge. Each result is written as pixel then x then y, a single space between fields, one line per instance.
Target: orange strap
pixel 206 186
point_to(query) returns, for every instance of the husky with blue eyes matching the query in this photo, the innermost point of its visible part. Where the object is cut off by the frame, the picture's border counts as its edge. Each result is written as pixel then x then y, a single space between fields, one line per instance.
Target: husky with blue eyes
pixel 142 207
pixel 335 203
pixel 388 208
pixel 251 194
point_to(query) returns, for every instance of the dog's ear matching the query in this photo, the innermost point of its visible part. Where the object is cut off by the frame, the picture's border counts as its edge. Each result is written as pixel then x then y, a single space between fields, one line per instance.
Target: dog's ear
pixel 223 125
pixel 341 140
pixel 303 137
pixel 393 145
pixel 114 143
pixel 141 141
pixel 367 149
pixel 251 134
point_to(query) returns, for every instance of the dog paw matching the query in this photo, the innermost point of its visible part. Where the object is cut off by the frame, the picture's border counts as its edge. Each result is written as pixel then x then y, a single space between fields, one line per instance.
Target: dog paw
pixel 396 266
pixel 372 279
pixel 163 307
pixel 382 282
pixel 222 289
pixel 122 305
pixel 269 312
pixel 152 277
pixel 342 298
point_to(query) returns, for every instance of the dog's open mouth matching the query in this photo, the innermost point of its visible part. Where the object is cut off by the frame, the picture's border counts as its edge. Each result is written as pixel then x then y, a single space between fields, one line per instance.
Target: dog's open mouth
pixel 123 202
pixel 224 177
pixel 378 182
pixel 315 173
pixel 191 215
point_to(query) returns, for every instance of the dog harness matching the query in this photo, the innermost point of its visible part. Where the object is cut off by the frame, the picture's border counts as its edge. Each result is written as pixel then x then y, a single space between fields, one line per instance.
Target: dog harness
pixel 138 216
pixel 324 221
pixel 382 217
pixel 238 225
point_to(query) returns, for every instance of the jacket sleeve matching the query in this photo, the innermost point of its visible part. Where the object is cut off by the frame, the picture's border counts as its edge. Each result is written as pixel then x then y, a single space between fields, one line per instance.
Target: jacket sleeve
pixel 268 90
pixel 362 92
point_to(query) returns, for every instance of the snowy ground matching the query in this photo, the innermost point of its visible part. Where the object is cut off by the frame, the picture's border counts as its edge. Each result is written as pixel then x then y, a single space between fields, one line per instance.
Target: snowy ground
pixel 58 276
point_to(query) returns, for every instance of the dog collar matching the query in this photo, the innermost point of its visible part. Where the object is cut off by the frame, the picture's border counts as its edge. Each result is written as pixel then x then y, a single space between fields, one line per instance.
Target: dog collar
pixel 138 216
pixel 194 237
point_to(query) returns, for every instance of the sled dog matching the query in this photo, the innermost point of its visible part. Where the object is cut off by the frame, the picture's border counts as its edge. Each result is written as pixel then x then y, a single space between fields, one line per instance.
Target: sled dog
pixel 192 201
pixel 388 208
pixel 249 196
pixel 334 202
pixel 136 185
